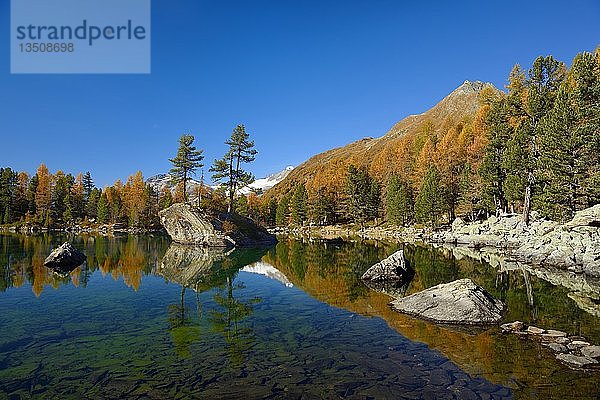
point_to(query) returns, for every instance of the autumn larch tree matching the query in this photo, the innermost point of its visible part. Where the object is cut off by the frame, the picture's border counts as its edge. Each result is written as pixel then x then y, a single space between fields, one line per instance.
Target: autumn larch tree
pixel 185 163
pixel 229 168
pixel 43 195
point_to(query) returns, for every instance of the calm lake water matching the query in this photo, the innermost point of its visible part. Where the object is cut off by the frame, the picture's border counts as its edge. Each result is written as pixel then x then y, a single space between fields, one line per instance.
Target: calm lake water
pixel 144 319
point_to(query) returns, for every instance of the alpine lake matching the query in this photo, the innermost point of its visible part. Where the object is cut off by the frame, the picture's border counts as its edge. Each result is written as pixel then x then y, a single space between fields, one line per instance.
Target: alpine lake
pixel 145 319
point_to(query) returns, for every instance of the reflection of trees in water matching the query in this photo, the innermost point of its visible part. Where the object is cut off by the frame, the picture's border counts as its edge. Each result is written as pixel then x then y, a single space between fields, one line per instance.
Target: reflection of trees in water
pixel 127 257
pixel 228 320
pixel 202 270
pixel 182 328
pixel 313 263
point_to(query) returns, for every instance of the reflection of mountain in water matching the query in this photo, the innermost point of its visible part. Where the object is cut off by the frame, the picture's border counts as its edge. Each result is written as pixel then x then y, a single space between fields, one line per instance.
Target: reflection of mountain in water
pixel 201 268
pixel 263 268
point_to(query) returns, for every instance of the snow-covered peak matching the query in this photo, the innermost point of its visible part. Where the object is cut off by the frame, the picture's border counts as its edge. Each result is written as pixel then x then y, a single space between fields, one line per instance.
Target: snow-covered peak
pixel 160 181
pixel 263 184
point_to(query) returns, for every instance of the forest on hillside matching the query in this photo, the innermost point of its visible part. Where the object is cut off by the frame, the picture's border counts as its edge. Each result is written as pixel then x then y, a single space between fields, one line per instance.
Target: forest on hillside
pixel 534 147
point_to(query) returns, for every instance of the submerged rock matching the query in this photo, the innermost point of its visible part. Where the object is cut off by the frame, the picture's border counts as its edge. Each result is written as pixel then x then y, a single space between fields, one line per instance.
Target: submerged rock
pixel 65 258
pixel 188 225
pixel 458 302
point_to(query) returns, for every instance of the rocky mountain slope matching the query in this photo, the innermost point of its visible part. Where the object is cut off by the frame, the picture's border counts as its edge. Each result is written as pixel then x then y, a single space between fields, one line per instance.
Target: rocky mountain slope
pixel 461 103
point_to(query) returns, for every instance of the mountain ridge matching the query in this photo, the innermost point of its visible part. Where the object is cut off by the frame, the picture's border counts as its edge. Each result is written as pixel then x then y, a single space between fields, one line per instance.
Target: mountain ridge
pixel 462 102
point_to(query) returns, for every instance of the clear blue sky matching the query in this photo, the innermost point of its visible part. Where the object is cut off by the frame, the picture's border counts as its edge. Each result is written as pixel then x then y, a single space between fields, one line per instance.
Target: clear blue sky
pixel 304 76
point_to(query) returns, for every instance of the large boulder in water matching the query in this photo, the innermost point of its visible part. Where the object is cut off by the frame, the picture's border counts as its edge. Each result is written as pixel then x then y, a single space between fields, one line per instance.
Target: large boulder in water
pixel 189 225
pixel 65 258
pixel 459 302
pixel 390 269
pixel 391 275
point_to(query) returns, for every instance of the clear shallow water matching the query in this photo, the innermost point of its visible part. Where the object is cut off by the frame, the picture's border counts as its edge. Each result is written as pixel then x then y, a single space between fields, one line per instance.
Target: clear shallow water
pixel 142 320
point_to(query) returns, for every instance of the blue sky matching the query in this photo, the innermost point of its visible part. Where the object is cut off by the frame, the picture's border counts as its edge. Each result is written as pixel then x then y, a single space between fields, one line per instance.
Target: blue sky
pixel 303 76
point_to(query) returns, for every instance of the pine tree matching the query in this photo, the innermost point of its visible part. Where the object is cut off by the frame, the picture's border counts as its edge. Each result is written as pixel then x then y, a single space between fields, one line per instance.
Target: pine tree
pixel 91 208
pixel 541 87
pixel 398 202
pixel 241 205
pixel 8 186
pixel 428 205
pixel 282 213
pixel 298 205
pixel 185 163
pixel 62 187
pixel 569 152
pixel 103 211
pixel 363 195
pixel 229 168
pixel 88 186
pixel 322 207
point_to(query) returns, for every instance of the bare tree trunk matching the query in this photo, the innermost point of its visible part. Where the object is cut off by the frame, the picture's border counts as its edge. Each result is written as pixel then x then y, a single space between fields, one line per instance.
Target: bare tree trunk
pixel 231 185
pixel 527 201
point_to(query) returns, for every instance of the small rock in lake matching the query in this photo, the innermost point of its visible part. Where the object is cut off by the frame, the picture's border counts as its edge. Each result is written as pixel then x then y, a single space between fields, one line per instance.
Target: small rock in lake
pixel 577 344
pixel 557 348
pixel 534 330
pixel 389 269
pixel 515 326
pixel 65 257
pixel 591 351
pixel 576 361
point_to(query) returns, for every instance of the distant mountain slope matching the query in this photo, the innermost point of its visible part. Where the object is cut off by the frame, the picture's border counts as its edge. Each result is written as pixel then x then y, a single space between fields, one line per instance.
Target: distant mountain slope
pixel 160 181
pixel 377 153
pixel 263 184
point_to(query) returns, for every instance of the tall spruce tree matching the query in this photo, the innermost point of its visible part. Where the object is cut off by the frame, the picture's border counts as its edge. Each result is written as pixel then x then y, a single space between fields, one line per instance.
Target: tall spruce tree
pixel 322 207
pixel 529 109
pixel 88 185
pixel 103 210
pixel 228 170
pixel 569 150
pixel 185 163
pixel 399 204
pixel 282 212
pixel 429 202
pixel 363 195
pixel 299 205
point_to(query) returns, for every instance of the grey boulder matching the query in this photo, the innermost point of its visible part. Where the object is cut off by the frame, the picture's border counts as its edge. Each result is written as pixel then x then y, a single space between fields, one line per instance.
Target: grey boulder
pixel 188 225
pixel 65 258
pixel 389 269
pixel 460 302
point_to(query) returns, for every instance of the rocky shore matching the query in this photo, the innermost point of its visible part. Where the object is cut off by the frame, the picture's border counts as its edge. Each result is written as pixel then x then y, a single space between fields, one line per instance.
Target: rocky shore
pixel 573 246
pixel 101 229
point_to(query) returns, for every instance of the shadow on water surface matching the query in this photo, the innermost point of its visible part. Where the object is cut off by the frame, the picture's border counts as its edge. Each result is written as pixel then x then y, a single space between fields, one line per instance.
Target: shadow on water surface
pixel 189 322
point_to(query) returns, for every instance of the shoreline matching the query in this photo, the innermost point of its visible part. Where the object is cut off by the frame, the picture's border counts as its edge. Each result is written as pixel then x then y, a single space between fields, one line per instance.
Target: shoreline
pixel 573 246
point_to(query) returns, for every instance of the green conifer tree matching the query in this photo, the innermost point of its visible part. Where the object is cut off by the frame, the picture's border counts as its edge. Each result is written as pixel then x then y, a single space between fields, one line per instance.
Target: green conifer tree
pixel 185 163
pixel 228 170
